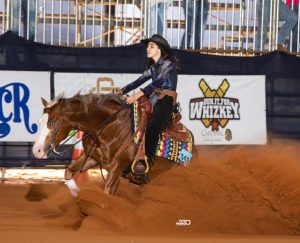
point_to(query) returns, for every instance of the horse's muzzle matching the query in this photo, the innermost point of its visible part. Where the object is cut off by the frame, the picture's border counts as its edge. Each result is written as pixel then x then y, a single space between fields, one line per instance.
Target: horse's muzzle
pixel 40 152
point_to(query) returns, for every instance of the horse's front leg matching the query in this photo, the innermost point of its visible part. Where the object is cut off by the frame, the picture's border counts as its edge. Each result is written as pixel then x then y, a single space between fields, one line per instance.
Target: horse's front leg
pixel 80 165
pixel 113 178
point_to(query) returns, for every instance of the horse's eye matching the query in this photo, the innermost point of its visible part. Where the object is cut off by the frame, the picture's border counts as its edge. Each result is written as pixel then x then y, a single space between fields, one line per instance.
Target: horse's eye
pixel 50 123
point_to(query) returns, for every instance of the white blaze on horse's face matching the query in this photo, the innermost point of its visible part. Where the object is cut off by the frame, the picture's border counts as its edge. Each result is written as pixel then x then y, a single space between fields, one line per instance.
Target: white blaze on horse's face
pixel 38 148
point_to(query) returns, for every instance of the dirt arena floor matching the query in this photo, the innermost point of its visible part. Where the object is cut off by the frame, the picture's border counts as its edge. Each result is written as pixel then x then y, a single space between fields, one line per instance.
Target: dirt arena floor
pixel 228 194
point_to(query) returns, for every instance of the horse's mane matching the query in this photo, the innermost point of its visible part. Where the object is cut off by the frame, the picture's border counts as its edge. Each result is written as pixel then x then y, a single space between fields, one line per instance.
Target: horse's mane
pixel 93 98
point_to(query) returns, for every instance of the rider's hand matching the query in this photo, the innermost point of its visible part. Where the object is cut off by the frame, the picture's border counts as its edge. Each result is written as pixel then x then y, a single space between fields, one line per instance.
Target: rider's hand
pixel 130 99
pixel 134 97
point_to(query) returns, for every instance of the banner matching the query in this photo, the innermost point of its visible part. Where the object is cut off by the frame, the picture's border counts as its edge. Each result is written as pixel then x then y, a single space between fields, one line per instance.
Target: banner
pixel 224 109
pixel 20 106
pixel 69 84
pixel 217 109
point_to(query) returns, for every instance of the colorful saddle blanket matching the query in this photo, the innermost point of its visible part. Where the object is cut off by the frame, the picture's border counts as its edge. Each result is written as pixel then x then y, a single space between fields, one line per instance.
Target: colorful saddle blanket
pixel 175 143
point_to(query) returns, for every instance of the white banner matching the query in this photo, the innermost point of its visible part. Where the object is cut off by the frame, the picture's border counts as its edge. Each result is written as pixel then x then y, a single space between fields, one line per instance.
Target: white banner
pixel 69 84
pixel 224 109
pixel 21 107
pixel 217 109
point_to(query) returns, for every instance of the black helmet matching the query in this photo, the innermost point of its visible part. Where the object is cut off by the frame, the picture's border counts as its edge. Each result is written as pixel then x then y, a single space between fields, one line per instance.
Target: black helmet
pixel 161 42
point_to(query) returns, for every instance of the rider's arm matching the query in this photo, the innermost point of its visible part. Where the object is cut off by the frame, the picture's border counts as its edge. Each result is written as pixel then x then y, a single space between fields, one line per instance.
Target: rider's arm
pixel 133 85
pixel 167 68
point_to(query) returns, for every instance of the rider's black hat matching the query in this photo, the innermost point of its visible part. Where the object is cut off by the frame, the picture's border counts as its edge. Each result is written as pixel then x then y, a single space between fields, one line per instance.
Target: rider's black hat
pixel 161 42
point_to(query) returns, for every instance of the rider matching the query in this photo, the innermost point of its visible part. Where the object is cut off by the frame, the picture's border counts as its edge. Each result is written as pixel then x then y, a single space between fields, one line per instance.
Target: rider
pixel 162 69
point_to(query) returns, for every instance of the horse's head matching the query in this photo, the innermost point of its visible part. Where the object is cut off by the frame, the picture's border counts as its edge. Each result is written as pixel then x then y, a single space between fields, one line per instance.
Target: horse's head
pixel 53 128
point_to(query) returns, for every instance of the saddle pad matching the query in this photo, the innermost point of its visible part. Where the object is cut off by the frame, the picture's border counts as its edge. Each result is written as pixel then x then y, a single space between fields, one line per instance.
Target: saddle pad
pixel 177 150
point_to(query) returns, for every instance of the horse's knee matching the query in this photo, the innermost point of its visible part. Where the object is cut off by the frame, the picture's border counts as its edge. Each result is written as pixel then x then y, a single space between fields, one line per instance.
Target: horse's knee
pixel 76 165
pixel 73 168
pixel 90 164
pixel 68 174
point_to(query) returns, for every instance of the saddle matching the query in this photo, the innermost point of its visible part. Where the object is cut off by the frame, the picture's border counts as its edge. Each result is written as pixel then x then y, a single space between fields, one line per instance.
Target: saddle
pixel 176 130
pixel 175 143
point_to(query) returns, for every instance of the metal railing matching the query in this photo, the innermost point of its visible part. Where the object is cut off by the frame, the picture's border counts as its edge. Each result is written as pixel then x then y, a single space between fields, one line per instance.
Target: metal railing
pixel 218 26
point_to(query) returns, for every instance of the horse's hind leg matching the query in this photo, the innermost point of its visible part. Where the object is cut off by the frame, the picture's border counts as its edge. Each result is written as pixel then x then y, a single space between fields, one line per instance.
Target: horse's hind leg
pixel 80 165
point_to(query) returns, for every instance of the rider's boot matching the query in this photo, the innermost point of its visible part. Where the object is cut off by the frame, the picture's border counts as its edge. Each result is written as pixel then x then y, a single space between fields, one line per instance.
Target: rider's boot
pixel 140 172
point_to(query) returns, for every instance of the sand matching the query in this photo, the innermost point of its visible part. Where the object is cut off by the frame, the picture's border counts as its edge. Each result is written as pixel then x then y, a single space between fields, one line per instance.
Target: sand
pixel 227 194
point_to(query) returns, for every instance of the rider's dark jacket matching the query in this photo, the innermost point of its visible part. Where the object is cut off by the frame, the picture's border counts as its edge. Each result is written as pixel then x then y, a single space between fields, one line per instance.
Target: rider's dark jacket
pixel 163 74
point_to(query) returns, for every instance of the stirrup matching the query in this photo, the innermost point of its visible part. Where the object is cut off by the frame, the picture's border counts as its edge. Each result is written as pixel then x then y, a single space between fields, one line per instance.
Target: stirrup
pixel 146 163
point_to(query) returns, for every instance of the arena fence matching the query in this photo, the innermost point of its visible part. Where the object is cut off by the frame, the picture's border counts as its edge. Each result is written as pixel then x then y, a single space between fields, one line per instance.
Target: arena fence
pixel 226 27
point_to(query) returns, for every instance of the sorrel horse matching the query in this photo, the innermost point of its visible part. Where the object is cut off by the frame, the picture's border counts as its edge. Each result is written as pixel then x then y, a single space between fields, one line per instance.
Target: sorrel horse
pixel 107 121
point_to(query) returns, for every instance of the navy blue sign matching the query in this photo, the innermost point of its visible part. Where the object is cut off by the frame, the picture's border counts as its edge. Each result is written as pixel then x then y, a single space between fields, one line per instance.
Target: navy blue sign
pixel 11 94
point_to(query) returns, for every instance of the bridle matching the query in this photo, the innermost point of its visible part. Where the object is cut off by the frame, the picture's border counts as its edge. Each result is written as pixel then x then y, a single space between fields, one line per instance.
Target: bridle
pixel 99 130
pixel 54 135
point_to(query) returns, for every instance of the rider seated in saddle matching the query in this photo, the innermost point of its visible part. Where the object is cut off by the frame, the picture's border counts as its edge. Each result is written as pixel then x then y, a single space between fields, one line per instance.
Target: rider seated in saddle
pixel 162 69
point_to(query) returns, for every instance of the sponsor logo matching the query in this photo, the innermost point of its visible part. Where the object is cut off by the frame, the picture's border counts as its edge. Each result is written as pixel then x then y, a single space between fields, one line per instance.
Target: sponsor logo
pixel 183 222
pixel 14 108
pixel 214 109
pixel 228 135
pixel 105 85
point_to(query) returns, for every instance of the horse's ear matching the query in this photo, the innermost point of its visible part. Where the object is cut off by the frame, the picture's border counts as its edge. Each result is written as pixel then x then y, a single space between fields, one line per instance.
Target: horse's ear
pixel 45 102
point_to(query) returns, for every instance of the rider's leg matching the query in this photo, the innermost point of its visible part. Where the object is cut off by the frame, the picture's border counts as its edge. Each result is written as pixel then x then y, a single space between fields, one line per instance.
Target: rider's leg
pixel 161 116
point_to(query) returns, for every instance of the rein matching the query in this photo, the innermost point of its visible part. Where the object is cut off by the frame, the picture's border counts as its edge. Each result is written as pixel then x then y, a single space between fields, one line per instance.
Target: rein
pixel 104 123
pixel 101 127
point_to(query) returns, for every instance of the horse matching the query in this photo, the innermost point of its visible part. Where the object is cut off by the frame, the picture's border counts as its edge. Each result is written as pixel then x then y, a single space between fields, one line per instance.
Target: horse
pixel 106 119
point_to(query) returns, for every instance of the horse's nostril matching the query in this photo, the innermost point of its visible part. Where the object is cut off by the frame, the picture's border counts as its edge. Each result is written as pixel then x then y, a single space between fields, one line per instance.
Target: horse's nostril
pixel 39 151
